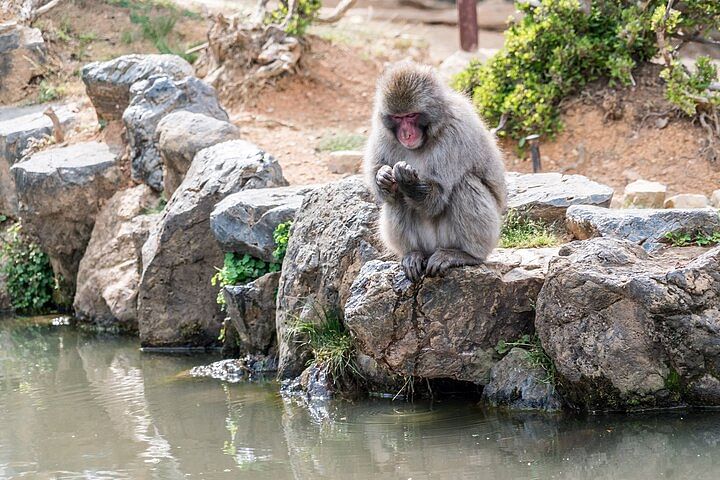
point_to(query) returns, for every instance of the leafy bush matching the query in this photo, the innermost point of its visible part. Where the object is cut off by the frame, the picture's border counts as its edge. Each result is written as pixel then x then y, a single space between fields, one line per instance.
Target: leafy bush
pixel 30 280
pixel 305 13
pixel 239 269
pixel 558 47
pixel 519 231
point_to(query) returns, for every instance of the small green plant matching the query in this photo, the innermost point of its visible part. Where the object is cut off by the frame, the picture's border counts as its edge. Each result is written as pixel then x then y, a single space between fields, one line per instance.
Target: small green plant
pixel 340 141
pixel 685 239
pixel 330 343
pixel 535 354
pixel 281 235
pixel 239 269
pixel 158 207
pixel 48 92
pixel 30 280
pixel 305 13
pixel 519 231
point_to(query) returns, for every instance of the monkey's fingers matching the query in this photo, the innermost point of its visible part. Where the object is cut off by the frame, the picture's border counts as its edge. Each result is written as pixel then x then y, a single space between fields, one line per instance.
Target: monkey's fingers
pixel 404 173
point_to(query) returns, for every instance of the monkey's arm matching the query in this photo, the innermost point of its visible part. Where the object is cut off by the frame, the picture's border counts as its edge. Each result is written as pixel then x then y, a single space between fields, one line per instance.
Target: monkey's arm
pixel 421 194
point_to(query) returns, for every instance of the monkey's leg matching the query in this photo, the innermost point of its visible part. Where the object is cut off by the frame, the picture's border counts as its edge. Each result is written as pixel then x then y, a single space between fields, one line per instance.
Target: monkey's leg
pixel 445 258
pixel 413 263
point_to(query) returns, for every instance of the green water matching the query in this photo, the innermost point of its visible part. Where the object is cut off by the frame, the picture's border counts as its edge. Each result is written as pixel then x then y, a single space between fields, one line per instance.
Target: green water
pixel 81 406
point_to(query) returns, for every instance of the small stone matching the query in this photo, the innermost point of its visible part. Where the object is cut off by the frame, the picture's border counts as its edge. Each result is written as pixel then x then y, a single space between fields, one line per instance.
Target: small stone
pixel 345 162
pixel 687 200
pixel 715 199
pixel 644 194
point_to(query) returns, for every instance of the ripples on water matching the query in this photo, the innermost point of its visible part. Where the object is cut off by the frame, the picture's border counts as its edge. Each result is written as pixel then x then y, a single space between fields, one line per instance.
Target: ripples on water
pixel 79 406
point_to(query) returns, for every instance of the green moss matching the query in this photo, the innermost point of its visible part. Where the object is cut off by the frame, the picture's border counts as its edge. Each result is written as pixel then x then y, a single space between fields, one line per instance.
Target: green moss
pixel 673 382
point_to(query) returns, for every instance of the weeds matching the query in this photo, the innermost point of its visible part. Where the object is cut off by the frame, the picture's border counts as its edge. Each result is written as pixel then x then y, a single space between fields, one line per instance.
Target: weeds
pixel 684 239
pixel 535 354
pixel 330 343
pixel 519 231
pixel 340 141
pixel 48 92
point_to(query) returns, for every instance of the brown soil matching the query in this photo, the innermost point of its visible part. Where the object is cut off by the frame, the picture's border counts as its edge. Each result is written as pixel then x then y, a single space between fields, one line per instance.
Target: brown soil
pixel 618 135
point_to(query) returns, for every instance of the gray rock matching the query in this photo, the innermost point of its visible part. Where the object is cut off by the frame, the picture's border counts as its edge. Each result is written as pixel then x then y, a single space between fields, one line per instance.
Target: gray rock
pixel 17 126
pixel 546 196
pixel 628 330
pixel 445 327
pixel 235 370
pixel 518 384
pixel 245 222
pixel 150 101
pixel 345 161
pixel 109 272
pixel 22 57
pixel 181 135
pixel 646 227
pixel 460 60
pixel 60 192
pixel 333 235
pixel 108 83
pixel 251 309
pixel 176 302
pixel 314 384
pixel 5 301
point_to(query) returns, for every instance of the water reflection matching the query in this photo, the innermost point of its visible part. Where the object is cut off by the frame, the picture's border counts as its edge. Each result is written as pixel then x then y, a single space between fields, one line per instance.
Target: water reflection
pixel 83 406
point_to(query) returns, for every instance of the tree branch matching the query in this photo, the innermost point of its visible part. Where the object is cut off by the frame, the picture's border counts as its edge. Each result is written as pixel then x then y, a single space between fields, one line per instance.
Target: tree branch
pixel 45 8
pixel 338 13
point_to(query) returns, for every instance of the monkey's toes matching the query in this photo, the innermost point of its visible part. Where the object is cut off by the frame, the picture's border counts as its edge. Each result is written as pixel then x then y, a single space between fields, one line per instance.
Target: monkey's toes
pixel 438 265
pixel 413 265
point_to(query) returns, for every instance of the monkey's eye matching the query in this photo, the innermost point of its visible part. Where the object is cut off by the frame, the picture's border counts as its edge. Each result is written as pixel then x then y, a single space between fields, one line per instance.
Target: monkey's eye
pixel 412 116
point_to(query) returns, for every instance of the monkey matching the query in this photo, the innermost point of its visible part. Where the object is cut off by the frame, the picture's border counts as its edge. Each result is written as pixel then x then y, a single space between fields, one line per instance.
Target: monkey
pixel 437 171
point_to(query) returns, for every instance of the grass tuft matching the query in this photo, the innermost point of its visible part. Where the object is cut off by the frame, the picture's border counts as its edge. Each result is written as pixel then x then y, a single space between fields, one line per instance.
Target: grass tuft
pixel 535 354
pixel 519 231
pixel 339 141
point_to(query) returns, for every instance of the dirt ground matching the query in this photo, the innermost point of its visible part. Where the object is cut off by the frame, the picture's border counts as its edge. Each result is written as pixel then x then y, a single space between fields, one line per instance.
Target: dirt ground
pixel 612 136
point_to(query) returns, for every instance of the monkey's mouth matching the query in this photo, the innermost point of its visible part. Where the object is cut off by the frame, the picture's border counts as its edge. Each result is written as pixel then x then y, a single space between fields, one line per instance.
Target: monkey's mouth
pixel 411 141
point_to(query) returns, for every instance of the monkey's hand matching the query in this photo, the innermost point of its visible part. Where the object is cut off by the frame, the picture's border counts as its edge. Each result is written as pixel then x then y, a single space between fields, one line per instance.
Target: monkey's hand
pixel 409 182
pixel 386 181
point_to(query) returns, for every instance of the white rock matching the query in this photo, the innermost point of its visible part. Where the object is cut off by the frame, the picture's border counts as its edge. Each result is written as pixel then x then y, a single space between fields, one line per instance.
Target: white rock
pixel 644 194
pixel 715 199
pixel 687 200
pixel 345 161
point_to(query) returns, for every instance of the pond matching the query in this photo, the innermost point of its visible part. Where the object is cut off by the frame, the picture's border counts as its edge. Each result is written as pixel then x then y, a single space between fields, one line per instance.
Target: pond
pixel 88 406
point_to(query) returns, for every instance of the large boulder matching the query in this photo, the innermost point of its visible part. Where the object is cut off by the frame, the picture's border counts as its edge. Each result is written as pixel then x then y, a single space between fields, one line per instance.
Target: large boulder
pixel 150 101
pixel 245 222
pixel 180 135
pixel 546 196
pixel 333 235
pixel 60 192
pixel 176 304
pixel 251 310
pixel 18 125
pixel 646 227
pixel 630 330
pixel 109 272
pixel 108 83
pixel 22 58
pixel 445 327
pixel 518 383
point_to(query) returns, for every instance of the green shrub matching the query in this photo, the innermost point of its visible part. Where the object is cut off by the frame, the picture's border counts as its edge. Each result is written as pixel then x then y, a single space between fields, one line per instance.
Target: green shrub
pixel 557 48
pixel 30 280
pixel 518 231
pixel 305 13
pixel 281 235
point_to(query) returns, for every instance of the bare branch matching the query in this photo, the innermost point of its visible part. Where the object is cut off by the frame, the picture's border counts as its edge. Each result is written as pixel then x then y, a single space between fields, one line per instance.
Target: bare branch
pixel 45 8
pixel 291 6
pixel 338 13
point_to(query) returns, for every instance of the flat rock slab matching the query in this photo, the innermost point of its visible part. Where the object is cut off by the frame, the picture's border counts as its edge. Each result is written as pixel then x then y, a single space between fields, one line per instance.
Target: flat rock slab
pixel 176 302
pixel 646 227
pixel 17 126
pixel 108 83
pixel 546 196
pixel 628 330
pixel 245 221
pixel 248 368
pixel 445 327
pixel 150 101
pixel 60 192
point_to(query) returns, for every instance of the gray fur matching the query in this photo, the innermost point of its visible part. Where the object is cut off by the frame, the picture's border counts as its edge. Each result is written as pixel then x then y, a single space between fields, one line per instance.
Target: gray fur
pixel 441 203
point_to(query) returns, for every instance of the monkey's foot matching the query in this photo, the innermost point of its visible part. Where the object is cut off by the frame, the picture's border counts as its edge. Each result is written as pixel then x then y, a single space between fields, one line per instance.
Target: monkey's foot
pixel 385 180
pixel 444 259
pixel 413 264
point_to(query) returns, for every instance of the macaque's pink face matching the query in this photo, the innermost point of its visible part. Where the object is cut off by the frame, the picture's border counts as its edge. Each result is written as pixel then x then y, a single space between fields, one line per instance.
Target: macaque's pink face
pixel 407 130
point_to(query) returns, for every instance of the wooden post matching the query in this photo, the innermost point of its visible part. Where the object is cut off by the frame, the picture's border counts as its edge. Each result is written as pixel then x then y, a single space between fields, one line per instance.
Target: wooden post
pixel 467 21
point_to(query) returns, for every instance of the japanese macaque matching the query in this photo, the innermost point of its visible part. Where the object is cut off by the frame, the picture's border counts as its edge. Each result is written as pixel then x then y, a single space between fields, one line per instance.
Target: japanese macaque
pixel 437 170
